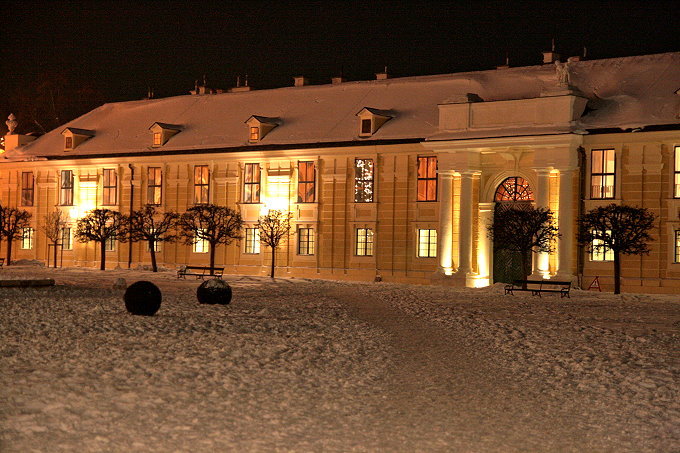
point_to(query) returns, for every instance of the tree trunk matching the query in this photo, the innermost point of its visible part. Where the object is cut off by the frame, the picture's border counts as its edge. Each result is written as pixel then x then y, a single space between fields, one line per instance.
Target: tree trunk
pixel 212 258
pixel 617 273
pixel 152 249
pixel 55 254
pixel 273 262
pixel 9 251
pixel 102 249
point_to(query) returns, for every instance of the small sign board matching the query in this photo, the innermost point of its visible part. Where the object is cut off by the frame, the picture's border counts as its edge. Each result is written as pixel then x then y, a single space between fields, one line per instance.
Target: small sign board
pixel 595 284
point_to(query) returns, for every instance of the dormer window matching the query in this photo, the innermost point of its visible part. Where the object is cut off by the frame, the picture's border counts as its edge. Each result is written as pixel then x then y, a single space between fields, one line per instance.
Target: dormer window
pixel 370 120
pixel 74 137
pixel 260 126
pixel 162 132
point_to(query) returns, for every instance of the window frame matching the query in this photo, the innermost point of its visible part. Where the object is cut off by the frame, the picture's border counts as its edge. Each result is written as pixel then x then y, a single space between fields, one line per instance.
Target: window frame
pixel 601 254
pixel 204 248
pixel 110 244
pixel 306 243
pixel 201 184
pixel 362 129
pixel 603 174
pixel 66 191
pixel 157 138
pixel 251 241
pixel 676 172
pixel 154 186
pixel 427 179
pixel 68 142
pixel 304 185
pixel 68 243
pixel 252 180
pixel 676 247
pixel 109 188
pixel 254 133
pixel 27 193
pixel 364 240
pixel 362 182
pixel 27 234
pixel 427 248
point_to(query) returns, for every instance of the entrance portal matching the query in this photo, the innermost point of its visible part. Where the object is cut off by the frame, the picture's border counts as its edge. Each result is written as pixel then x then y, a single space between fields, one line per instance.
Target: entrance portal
pixel 512 193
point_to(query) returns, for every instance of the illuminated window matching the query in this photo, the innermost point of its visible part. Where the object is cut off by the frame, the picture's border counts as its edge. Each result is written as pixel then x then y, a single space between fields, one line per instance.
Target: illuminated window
pixel 366 127
pixel 157 139
pixel 201 184
pixel 201 245
pixel 602 173
pixel 110 187
pixel 253 240
pixel 66 189
pixel 676 173
pixel 66 238
pixel 153 186
pixel 306 182
pixel 363 180
pixel 110 243
pixel 600 252
pixel 156 244
pixel 677 246
pixel 305 241
pixel 68 142
pixel 251 183
pixel 427 243
pixel 254 133
pixel 514 189
pixel 364 242
pixel 427 179
pixel 27 238
pixel 27 184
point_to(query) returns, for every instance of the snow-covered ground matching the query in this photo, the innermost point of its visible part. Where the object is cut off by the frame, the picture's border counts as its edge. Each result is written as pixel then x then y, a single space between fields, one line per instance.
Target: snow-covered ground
pixel 305 365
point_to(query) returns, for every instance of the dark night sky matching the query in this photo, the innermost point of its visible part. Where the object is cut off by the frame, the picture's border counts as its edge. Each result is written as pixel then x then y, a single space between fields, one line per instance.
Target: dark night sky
pixel 120 48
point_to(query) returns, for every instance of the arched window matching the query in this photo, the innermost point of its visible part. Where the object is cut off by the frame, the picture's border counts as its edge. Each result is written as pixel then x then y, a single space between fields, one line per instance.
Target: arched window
pixel 514 189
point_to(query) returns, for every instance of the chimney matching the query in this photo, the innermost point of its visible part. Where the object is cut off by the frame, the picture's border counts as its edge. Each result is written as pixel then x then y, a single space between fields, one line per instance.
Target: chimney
pixel 300 81
pixel 549 57
pixel 337 80
pixel 13 140
pixel 382 75
pixel 573 59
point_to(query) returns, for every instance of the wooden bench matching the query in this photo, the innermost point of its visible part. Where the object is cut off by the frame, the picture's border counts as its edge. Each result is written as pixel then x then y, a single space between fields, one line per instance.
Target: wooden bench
pixel 200 271
pixel 537 287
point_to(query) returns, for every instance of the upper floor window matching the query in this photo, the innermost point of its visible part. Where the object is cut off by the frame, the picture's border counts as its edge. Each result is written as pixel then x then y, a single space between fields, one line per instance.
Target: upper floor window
pixel 363 180
pixel 201 184
pixel 427 178
pixel 27 238
pixel 514 188
pixel 366 126
pixel 68 142
pixel 66 189
pixel 306 182
pixel 364 242
pixel 162 132
pixel 254 133
pixel 157 139
pixel 372 119
pixel 677 247
pixel 427 243
pixel 305 241
pixel 251 183
pixel 110 187
pixel 602 173
pixel 153 186
pixel 252 240
pixel 27 184
pixel 600 252
pixel 676 173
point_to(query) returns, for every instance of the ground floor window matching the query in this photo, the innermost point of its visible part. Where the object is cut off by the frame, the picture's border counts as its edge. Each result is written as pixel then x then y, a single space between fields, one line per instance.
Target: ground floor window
pixel 364 242
pixel 27 238
pixel 305 241
pixel 201 246
pixel 110 244
pixel 252 240
pixel 600 252
pixel 677 246
pixel 427 243
pixel 66 238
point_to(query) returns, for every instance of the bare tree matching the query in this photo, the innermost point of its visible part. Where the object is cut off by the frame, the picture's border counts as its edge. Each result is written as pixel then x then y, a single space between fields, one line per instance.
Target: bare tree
pixel 12 224
pixel 150 226
pixel 274 226
pixel 525 230
pixel 619 228
pixel 99 225
pixel 53 228
pixel 212 223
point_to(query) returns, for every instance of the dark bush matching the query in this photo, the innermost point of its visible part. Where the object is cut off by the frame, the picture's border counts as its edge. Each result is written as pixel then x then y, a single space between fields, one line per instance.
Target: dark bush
pixel 214 291
pixel 143 298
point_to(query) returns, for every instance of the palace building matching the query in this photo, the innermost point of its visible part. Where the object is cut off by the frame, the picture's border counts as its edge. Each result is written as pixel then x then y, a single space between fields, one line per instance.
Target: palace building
pixel 393 179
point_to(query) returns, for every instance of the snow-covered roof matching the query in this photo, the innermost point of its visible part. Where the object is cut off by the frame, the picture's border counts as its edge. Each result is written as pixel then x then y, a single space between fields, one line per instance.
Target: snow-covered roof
pixel 630 92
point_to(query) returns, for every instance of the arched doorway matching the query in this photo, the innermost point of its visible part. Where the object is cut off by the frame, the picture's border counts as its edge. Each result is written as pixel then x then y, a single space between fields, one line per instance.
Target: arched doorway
pixel 514 192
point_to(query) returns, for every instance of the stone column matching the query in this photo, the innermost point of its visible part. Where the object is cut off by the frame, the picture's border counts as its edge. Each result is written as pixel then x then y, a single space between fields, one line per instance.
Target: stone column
pixel 465 229
pixel 445 241
pixel 566 225
pixel 542 260
pixel 484 249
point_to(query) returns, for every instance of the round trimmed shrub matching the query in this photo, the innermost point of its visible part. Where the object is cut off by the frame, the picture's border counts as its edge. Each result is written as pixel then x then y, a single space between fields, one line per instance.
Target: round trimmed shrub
pixel 214 291
pixel 143 298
